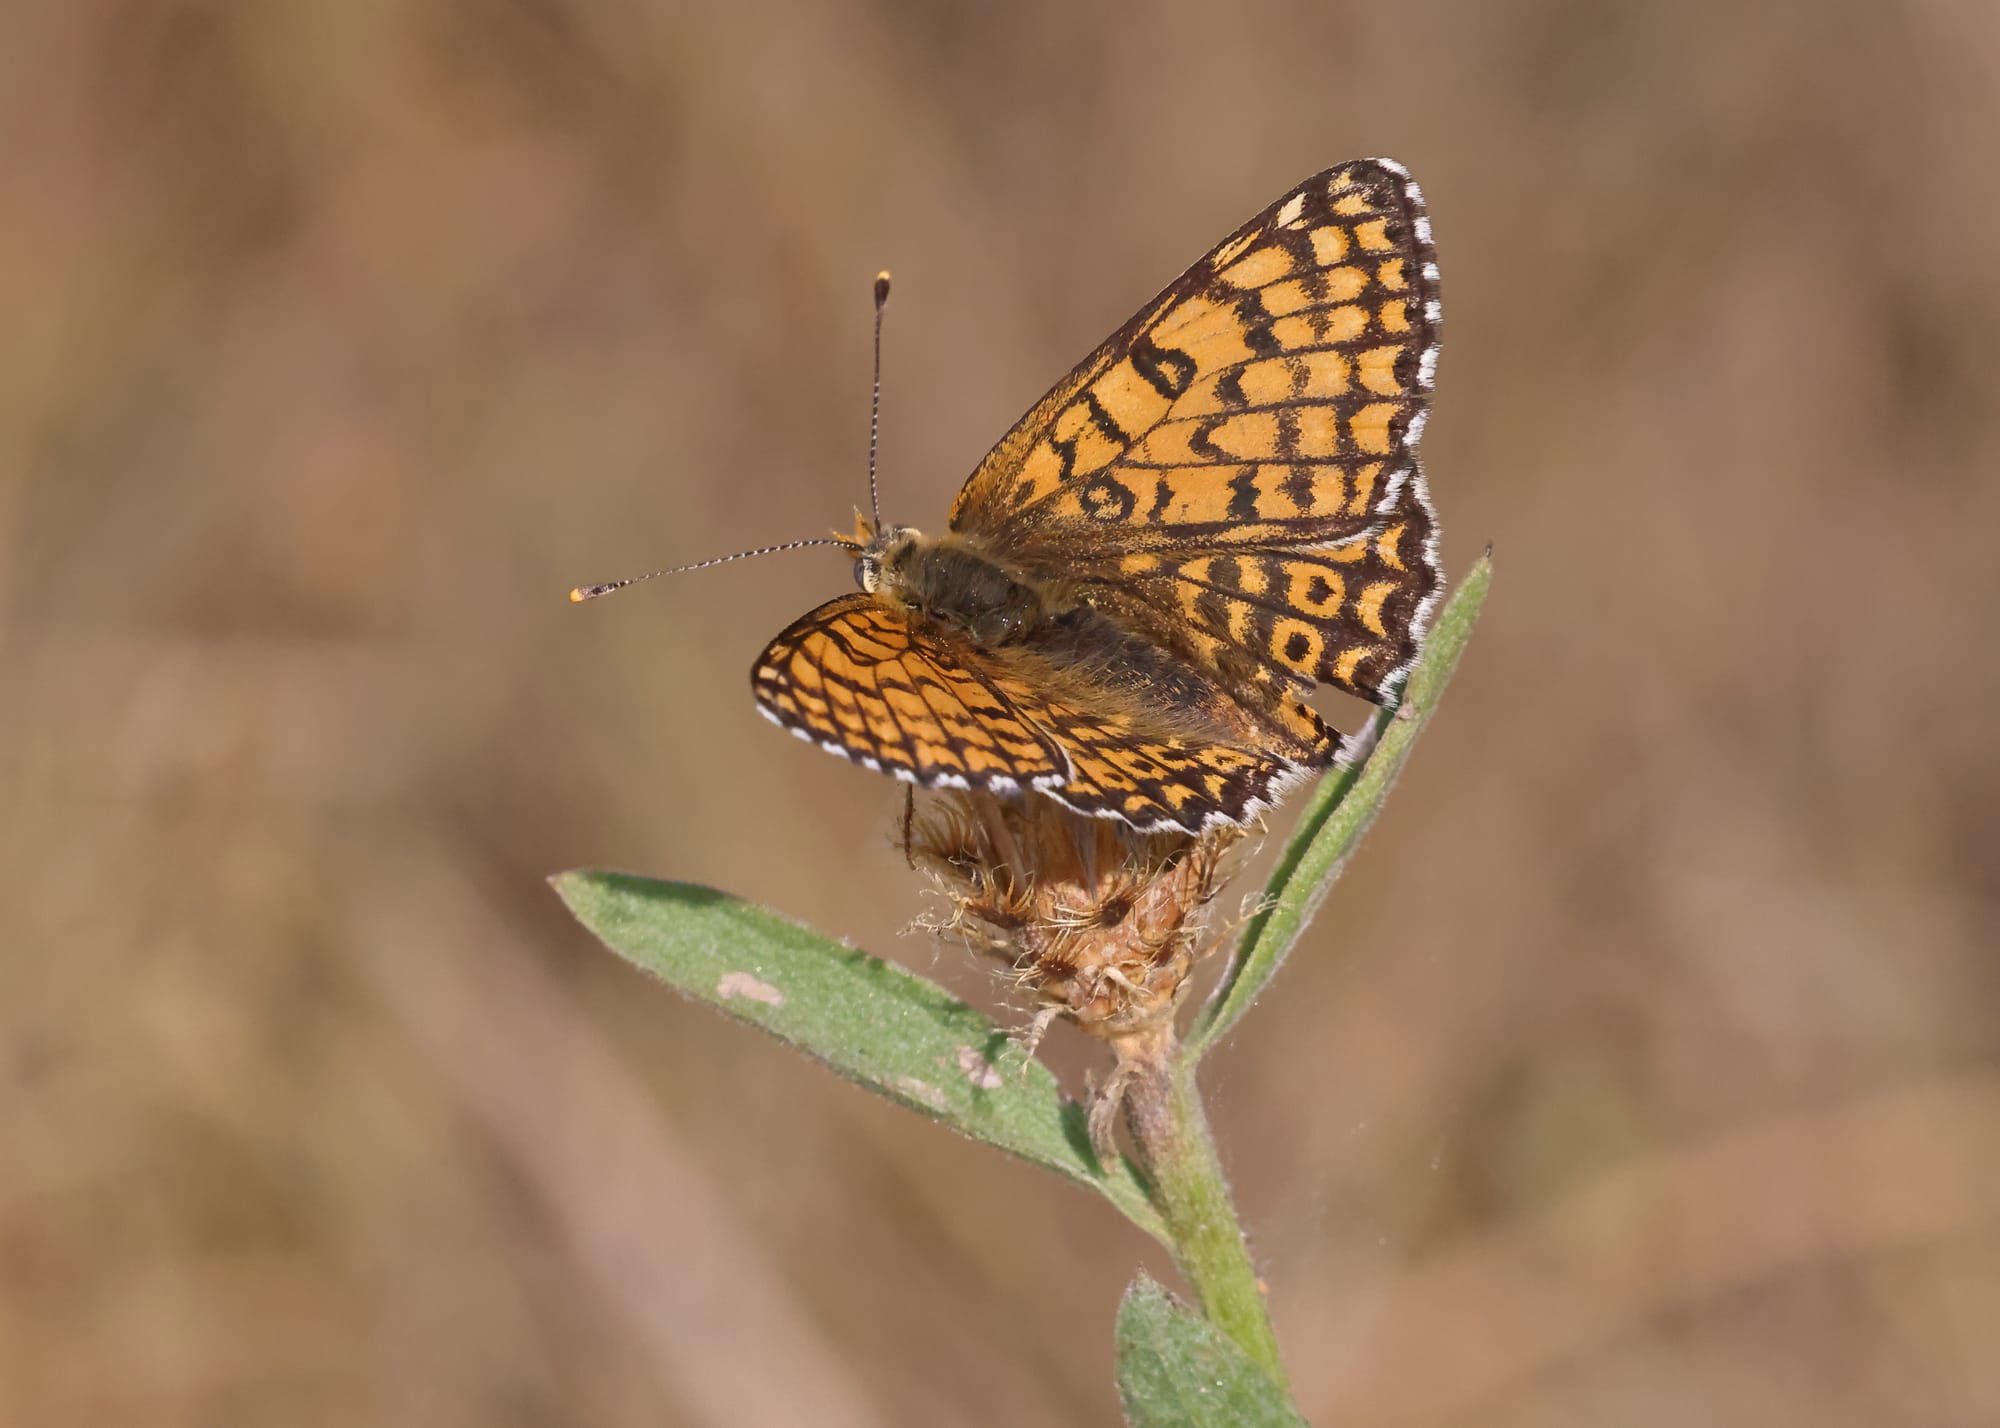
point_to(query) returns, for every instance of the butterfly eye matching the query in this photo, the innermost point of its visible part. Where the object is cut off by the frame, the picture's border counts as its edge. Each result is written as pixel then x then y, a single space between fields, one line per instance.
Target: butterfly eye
pixel 868 573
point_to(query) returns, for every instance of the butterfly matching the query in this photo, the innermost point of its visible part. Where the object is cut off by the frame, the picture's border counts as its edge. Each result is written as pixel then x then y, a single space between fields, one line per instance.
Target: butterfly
pixel 1137 588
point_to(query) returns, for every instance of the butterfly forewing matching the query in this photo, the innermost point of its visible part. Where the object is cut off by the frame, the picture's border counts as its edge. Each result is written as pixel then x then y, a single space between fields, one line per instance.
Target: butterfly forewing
pixel 1271 396
pixel 1352 615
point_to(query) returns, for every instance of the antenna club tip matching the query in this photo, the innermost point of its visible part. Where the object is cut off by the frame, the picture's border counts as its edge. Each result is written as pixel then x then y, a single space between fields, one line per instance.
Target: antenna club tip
pixel 577 596
pixel 881 287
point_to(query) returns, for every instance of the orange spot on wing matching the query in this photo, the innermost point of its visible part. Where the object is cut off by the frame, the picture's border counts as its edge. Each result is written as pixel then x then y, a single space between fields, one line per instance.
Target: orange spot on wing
pixel 1368 605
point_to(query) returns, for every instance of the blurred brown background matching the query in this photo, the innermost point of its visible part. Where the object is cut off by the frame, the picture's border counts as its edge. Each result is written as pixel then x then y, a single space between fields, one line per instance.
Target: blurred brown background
pixel 1643 1071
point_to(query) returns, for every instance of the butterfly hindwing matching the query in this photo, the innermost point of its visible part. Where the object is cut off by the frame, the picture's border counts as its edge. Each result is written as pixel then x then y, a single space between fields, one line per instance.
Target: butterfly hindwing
pixel 860 679
pixel 1156 782
pixel 1271 396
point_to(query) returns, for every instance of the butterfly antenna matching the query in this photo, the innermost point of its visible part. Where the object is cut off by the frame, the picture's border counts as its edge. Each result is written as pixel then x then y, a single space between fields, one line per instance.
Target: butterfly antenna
pixel 875 401
pixel 591 592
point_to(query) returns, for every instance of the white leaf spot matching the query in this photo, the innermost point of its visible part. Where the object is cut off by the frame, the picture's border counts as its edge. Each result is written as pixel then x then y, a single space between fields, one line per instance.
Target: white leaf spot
pixel 978 1070
pixel 742 984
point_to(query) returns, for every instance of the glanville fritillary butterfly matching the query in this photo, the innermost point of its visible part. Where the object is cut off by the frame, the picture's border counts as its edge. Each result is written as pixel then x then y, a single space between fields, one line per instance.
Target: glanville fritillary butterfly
pixel 1217 510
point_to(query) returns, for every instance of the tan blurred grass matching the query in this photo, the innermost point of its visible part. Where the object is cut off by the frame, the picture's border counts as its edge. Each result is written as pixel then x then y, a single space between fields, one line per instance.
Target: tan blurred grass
pixel 1642 1071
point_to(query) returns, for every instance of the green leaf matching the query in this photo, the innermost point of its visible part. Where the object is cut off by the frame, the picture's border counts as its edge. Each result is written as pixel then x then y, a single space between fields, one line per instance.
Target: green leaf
pixel 878 1025
pixel 1339 811
pixel 1175 1368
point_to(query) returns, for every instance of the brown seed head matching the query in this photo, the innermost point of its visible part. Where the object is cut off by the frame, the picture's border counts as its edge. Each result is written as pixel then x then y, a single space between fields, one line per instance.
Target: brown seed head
pixel 1103 924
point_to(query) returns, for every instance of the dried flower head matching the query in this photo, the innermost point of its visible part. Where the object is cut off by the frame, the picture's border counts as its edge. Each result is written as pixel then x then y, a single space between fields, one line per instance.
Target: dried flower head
pixel 1101 923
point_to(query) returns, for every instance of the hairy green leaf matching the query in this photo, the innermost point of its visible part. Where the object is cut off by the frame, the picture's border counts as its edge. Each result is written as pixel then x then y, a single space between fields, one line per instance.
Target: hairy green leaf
pixel 878 1025
pixel 1177 1370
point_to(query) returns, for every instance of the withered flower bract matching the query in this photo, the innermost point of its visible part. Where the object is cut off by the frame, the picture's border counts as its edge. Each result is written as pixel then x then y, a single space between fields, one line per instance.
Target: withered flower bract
pixel 1099 922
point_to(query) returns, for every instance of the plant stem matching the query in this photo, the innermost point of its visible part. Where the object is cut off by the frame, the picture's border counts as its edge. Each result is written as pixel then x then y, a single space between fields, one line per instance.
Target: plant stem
pixel 1169 1127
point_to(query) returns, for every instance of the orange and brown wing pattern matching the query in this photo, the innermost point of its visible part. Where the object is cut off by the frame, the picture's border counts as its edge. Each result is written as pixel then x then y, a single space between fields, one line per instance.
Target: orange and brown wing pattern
pixel 1125 763
pixel 859 679
pixel 863 680
pixel 1273 395
pixel 1218 509
pixel 1352 615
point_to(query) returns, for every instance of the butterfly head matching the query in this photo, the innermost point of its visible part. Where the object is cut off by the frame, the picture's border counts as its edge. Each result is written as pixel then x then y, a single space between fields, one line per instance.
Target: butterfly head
pixel 879 550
